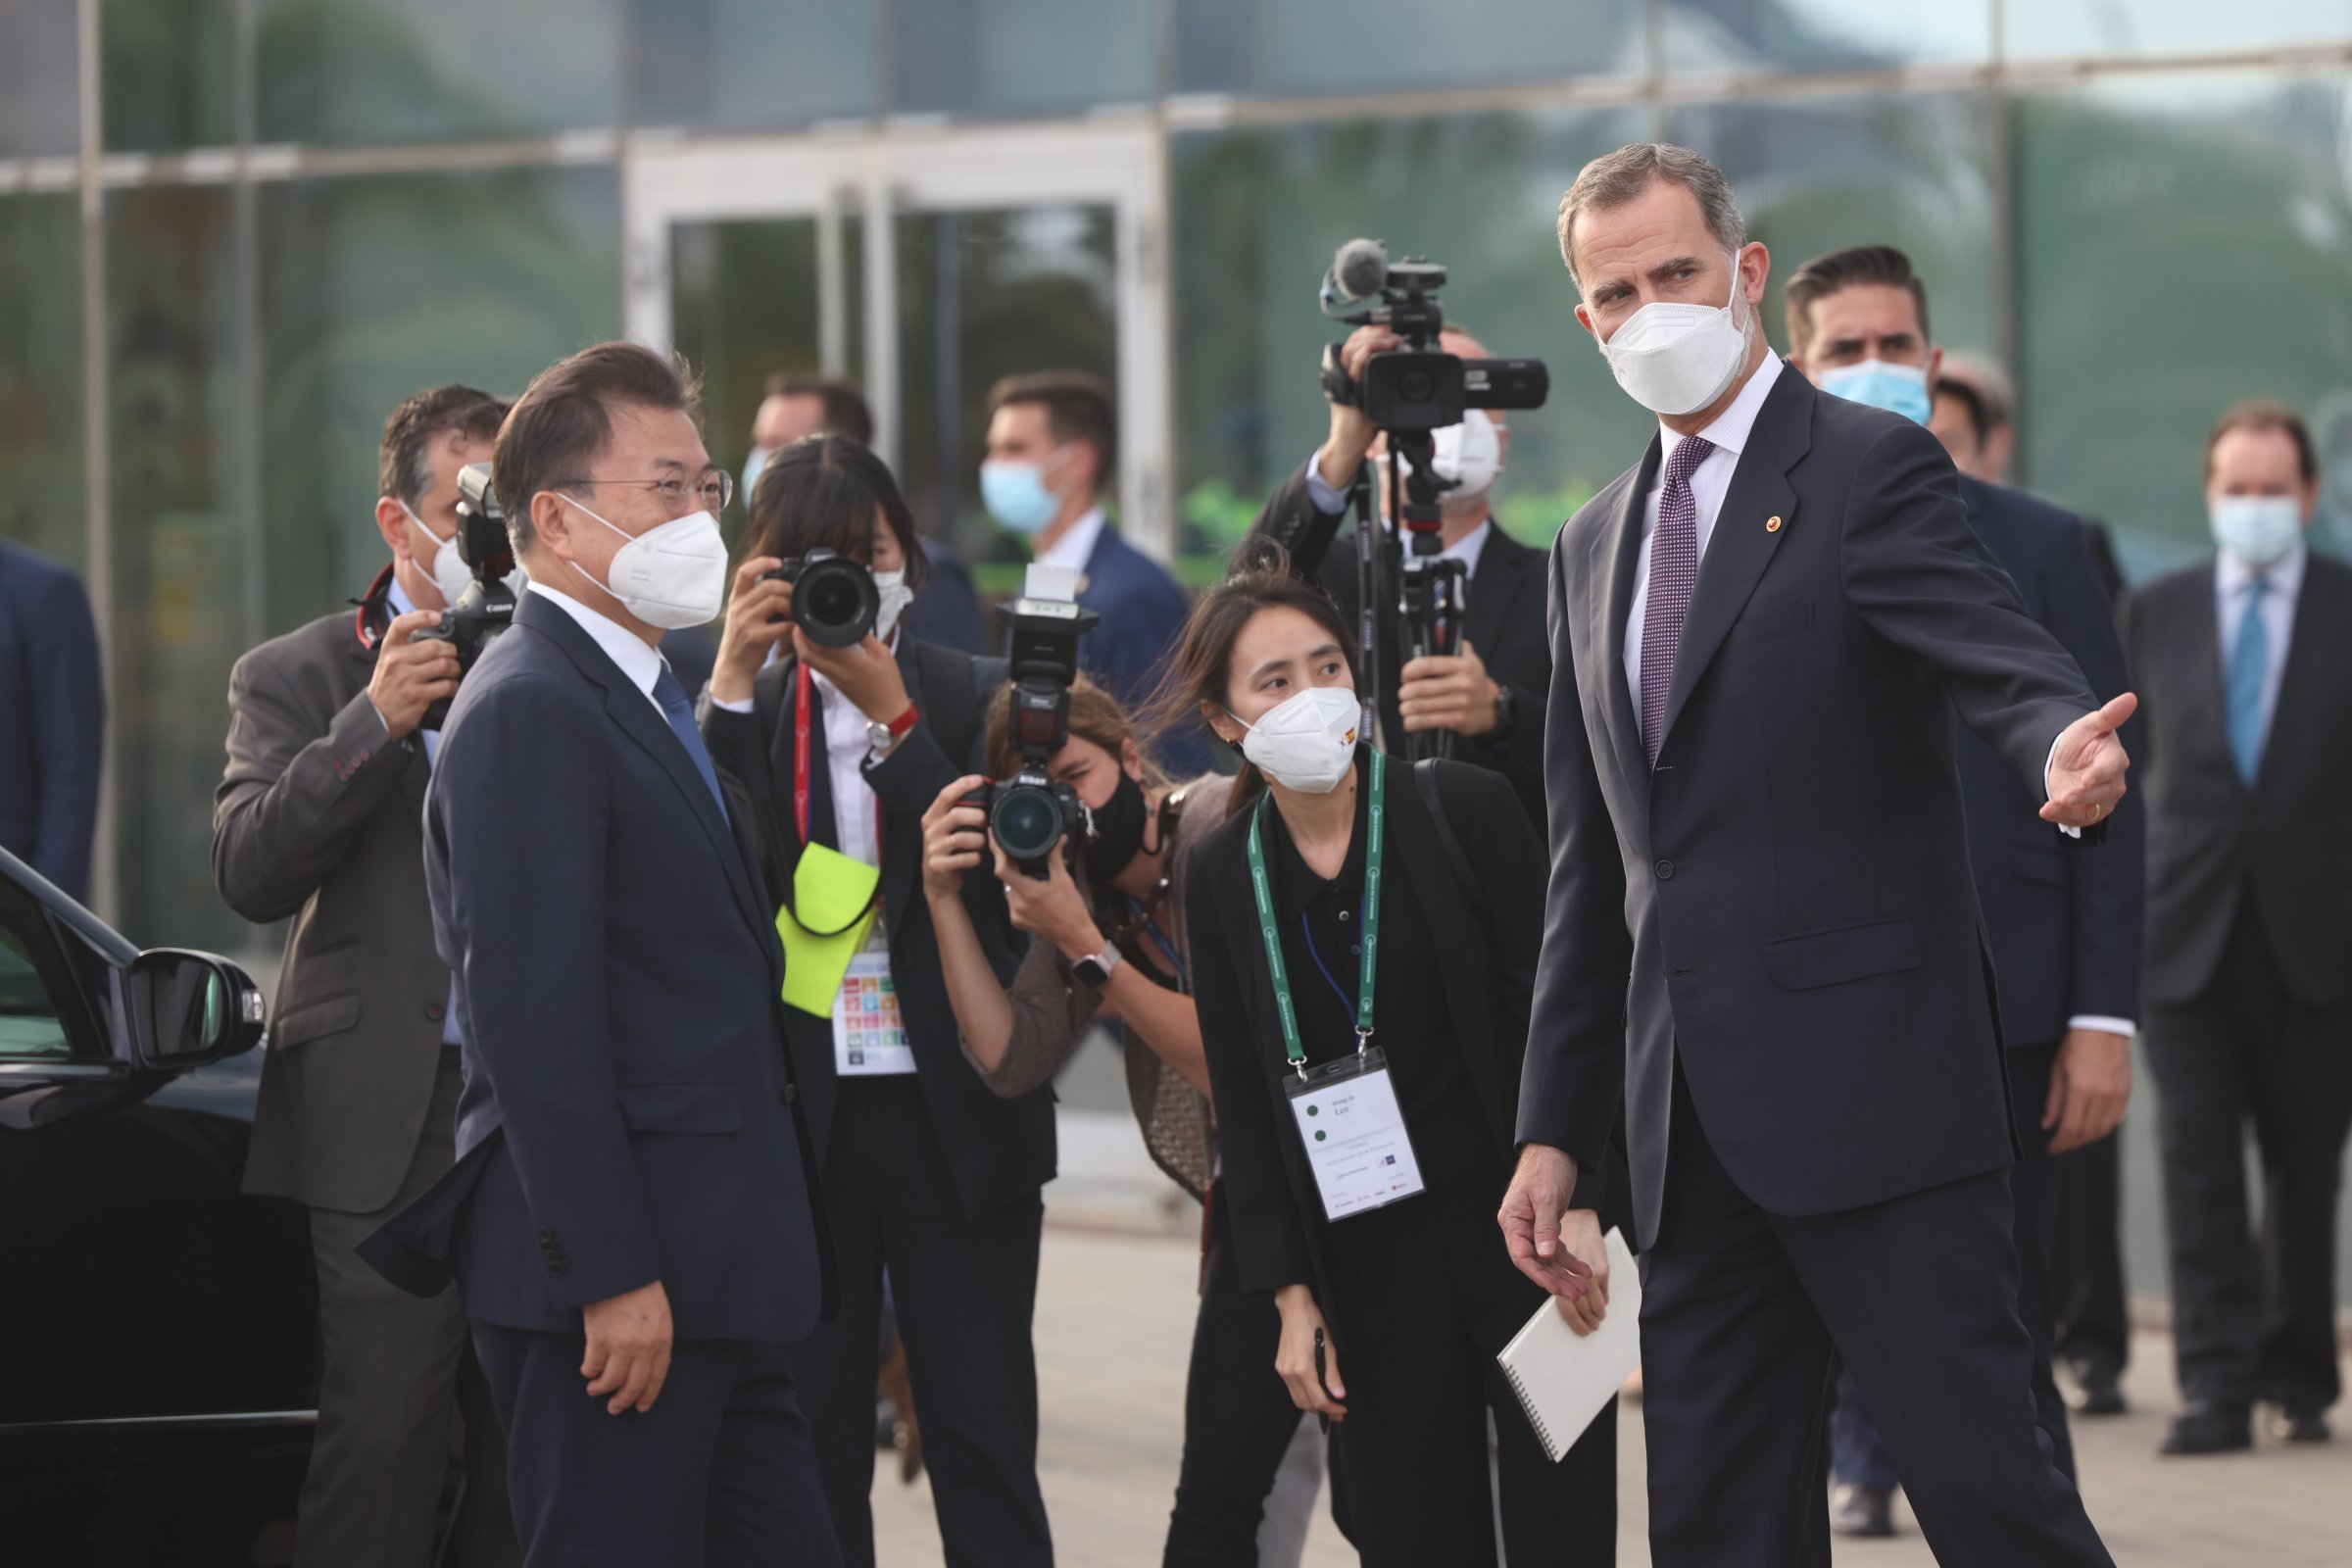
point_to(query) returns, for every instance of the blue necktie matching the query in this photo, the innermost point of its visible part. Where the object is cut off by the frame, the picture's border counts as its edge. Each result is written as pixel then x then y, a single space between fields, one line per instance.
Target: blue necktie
pixel 2249 663
pixel 680 713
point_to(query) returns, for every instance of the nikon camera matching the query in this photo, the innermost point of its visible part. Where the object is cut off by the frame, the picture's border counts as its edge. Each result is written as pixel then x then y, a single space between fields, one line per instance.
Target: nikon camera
pixel 487 605
pixel 1032 816
pixel 834 599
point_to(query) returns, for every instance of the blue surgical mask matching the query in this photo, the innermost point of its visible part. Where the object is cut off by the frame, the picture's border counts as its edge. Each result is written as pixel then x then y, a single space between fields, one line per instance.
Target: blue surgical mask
pixel 753 466
pixel 1015 495
pixel 1897 388
pixel 2258 530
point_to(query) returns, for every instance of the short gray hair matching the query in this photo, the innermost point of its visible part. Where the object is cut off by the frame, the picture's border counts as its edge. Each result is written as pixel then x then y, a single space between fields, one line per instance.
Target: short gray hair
pixel 1629 172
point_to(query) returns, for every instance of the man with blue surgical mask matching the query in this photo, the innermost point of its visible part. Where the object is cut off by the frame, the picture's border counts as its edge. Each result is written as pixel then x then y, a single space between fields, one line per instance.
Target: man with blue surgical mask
pixel 2062 929
pixel 2247 659
pixel 1053 445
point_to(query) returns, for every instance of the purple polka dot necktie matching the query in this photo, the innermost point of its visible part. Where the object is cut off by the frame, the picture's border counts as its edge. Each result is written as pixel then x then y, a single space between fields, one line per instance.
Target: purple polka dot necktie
pixel 1673 573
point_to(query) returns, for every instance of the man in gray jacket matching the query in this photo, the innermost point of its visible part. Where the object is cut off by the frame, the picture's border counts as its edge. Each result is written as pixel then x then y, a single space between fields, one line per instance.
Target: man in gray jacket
pixel 318 817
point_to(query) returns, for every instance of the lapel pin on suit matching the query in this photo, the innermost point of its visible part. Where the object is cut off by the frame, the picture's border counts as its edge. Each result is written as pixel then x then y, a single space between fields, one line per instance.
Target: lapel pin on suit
pixel 1772 525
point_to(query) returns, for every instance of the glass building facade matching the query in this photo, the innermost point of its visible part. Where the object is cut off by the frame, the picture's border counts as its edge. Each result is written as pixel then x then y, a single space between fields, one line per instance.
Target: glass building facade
pixel 233 233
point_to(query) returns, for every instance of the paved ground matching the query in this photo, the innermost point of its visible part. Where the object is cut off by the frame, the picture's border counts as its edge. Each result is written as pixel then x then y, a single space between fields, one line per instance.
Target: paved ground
pixel 1114 1318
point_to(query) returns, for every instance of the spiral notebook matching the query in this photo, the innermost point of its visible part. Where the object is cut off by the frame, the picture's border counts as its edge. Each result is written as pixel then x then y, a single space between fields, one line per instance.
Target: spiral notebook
pixel 1563 1381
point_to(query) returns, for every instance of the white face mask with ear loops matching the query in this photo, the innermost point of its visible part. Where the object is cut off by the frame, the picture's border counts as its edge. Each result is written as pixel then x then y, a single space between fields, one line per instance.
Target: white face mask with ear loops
pixel 1675 359
pixel 1307 742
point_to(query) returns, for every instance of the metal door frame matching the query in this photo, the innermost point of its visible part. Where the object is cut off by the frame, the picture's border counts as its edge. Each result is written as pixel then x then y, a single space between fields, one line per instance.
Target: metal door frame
pixel 904 166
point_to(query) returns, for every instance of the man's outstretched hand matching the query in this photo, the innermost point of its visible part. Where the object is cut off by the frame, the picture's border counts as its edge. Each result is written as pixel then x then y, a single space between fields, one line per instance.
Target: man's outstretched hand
pixel 2088 765
pixel 1542 1190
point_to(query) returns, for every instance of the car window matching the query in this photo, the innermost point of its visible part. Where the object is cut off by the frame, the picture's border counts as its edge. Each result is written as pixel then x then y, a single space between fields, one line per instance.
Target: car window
pixel 32 1025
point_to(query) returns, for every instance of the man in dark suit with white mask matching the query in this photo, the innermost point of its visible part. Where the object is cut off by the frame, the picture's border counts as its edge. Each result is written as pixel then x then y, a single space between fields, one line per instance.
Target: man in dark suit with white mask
pixel 1760 926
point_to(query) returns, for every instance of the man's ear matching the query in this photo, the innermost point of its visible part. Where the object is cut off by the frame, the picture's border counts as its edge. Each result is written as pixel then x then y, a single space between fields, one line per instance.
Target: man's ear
pixel 393 523
pixel 1584 318
pixel 551 524
pixel 1934 368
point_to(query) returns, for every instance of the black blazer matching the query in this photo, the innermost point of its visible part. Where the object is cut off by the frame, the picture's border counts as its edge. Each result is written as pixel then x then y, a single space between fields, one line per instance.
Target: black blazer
pixel 630 1114
pixel 2287 842
pixel 1784 906
pixel 1000 1151
pixel 2064 928
pixel 1488 959
pixel 1505 623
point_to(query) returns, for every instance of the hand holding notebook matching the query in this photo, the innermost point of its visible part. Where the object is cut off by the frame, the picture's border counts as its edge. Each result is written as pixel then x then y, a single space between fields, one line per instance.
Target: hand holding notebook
pixel 1564 1379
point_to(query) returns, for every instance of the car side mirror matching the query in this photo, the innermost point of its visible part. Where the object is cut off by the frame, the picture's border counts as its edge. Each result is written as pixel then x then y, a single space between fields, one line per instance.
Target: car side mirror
pixel 191 1008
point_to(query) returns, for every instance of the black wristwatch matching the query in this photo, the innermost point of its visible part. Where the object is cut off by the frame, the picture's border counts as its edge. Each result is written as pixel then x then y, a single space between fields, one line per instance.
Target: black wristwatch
pixel 1507 714
pixel 1094 973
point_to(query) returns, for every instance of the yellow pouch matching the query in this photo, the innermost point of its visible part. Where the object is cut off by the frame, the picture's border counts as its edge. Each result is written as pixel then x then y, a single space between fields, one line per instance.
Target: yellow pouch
pixel 834 899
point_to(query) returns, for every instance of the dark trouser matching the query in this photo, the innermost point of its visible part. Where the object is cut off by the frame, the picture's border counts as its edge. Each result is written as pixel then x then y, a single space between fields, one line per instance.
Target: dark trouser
pixel 966 1291
pixel 718 1474
pixel 1425 1298
pixel 1857 1453
pixel 2252 1320
pixel 1238 1416
pixel 1740 1312
pixel 395 1370
pixel 2094 1333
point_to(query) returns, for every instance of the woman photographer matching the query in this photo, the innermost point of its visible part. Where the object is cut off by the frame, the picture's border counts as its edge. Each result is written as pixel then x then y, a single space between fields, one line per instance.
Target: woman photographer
pixel 1361 929
pixel 1113 933
pixel 926 1172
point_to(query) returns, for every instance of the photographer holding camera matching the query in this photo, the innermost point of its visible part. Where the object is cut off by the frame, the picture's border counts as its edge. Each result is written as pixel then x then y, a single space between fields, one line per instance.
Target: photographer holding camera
pixel 1490 696
pixel 1109 930
pixel 318 817
pixel 842 739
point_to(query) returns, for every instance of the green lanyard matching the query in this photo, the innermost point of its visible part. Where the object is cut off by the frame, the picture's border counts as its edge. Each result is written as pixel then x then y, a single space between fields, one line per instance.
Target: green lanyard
pixel 1262 885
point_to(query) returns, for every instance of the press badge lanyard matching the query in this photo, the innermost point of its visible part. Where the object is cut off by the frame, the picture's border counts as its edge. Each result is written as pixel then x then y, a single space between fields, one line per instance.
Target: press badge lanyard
pixel 804 690
pixel 1261 885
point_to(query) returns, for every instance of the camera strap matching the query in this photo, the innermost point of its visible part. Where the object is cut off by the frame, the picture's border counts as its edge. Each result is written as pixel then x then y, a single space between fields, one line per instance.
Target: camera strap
pixel 1261 885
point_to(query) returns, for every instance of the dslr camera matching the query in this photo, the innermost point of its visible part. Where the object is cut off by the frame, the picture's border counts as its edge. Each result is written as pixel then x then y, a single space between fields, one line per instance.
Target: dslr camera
pixel 834 599
pixel 1032 815
pixel 487 605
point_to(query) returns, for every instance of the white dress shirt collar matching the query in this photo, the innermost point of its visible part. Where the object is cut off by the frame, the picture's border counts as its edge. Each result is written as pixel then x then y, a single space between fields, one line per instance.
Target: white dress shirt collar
pixel 1470 546
pixel 2232 576
pixel 1730 430
pixel 637 660
pixel 1074 549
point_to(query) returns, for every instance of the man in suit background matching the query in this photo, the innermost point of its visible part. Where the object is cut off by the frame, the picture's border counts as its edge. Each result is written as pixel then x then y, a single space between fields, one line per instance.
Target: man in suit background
pixel 2063 929
pixel 318 817
pixel 2245 663
pixel 1975 419
pixel 1760 924
pixel 634 1215
pixel 1491 695
pixel 946 610
pixel 52 718
pixel 1052 447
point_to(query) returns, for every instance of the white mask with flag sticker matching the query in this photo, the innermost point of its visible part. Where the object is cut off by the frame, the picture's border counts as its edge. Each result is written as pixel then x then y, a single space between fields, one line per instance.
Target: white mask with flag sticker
pixel 1306 742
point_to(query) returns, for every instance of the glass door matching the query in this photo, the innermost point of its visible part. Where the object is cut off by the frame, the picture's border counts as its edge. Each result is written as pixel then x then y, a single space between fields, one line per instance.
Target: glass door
pixel 923 264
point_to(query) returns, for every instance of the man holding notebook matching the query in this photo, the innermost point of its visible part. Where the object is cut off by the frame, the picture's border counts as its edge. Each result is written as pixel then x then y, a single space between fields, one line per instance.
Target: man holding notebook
pixel 1760 927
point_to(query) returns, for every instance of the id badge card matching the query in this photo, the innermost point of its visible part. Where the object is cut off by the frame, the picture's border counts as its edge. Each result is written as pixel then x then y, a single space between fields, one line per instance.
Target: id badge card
pixel 1355 1135
pixel 869 1034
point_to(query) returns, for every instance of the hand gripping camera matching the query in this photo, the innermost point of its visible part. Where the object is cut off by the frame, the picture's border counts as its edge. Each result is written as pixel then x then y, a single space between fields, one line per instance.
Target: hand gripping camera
pixel 1407 393
pixel 487 605
pixel 834 599
pixel 1033 814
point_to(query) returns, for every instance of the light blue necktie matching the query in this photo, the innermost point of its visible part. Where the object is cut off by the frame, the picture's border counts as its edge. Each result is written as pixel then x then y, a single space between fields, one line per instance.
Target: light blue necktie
pixel 672 695
pixel 2250 662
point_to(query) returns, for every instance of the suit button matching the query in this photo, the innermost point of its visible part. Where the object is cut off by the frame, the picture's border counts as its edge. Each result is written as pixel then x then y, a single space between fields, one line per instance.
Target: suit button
pixel 434 1009
pixel 1665 871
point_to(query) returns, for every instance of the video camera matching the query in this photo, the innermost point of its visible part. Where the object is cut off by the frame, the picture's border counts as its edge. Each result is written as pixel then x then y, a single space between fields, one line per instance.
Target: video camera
pixel 1407 393
pixel 487 605
pixel 1032 813
pixel 834 599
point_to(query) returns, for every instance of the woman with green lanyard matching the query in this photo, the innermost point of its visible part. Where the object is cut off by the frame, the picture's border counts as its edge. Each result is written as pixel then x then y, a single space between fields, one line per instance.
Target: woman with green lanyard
pixel 1363 939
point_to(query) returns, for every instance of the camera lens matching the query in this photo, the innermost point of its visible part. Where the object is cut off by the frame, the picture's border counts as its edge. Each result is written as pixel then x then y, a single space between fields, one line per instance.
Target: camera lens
pixel 1027 822
pixel 835 602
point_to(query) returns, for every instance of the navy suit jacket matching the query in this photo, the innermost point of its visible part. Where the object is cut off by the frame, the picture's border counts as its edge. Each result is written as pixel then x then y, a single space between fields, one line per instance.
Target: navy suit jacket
pixel 52 718
pixel 2064 927
pixel 1784 906
pixel 1143 613
pixel 629 1111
